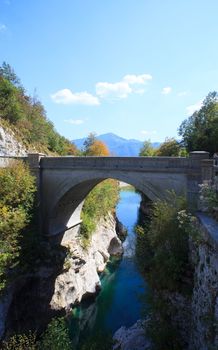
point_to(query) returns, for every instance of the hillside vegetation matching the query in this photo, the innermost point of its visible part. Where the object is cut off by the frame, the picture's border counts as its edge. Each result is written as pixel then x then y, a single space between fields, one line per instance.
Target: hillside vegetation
pixel 26 116
pixel 17 187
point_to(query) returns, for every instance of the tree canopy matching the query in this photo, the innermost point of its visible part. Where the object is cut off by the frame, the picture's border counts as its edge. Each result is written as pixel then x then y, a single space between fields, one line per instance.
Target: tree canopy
pixel 147 149
pixel 200 131
pixel 94 147
pixel 169 148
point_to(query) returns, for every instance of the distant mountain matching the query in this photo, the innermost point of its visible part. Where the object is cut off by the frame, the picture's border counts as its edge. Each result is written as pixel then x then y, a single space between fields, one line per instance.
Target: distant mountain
pixel 117 145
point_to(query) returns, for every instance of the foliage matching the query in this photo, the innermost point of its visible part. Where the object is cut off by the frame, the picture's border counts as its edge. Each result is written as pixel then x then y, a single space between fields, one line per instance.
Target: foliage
pixel 165 241
pixel 21 342
pixel 7 72
pixel 98 342
pixel 91 138
pixel 147 150
pixel 200 131
pixel 162 251
pixel 56 336
pixel 163 334
pixel 17 189
pixel 94 147
pixel 208 196
pixel 101 200
pixel 27 117
pixel 17 186
pixel 169 148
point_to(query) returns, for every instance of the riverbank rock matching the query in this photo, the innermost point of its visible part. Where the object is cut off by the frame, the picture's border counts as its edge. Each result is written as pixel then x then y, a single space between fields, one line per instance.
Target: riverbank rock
pixel 121 230
pixel 132 338
pixel 80 277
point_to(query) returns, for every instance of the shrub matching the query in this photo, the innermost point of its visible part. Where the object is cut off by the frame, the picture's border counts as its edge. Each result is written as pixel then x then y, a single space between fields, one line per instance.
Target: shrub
pixel 208 196
pixel 99 202
pixel 164 243
pixel 56 336
pixel 17 189
pixel 21 342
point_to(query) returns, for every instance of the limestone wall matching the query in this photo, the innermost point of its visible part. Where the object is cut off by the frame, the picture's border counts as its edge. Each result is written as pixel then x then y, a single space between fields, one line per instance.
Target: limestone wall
pixel 82 266
pixel 204 326
pixel 9 146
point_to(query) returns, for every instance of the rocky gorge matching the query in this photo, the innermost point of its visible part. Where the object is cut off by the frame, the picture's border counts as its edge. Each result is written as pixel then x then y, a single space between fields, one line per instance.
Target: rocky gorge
pixel 82 267
pixel 59 284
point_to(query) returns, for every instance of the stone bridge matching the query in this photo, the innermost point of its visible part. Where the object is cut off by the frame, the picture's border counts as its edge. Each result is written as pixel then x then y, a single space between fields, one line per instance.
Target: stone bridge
pixel 64 182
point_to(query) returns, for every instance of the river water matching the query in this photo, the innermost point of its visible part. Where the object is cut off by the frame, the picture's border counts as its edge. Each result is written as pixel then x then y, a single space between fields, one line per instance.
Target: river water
pixel 121 299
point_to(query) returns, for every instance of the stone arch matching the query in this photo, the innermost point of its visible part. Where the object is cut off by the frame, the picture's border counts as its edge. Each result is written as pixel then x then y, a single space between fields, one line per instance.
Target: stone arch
pixel 70 193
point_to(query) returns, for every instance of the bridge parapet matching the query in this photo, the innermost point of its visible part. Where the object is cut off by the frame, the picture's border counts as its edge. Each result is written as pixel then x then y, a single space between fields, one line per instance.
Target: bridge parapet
pixel 137 163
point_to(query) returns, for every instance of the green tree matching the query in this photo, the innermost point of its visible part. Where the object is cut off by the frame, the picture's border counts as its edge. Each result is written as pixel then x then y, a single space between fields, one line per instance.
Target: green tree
pixel 56 336
pixel 200 131
pixel 147 150
pixel 7 72
pixel 94 147
pixel 21 342
pixel 89 142
pixel 17 187
pixel 169 148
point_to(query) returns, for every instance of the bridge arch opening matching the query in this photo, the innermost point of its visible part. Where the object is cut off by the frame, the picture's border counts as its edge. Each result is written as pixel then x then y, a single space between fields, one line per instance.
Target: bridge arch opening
pixel 66 213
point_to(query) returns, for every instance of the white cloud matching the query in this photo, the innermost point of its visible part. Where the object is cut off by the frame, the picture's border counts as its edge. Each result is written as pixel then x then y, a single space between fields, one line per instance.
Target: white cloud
pixel 113 90
pixel 193 108
pixel 137 79
pixel 182 93
pixel 74 121
pixel 147 133
pixel 66 96
pixel 166 90
pixel 129 84
pixel 2 28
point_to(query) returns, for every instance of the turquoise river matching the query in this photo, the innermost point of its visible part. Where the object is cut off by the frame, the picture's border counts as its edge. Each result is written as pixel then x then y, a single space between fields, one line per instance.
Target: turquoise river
pixel 121 299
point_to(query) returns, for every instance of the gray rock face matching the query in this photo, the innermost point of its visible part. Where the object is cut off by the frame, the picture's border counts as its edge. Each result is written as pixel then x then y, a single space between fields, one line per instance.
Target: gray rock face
pixel 133 338
pixel 204 328
pixel 80 277
pixel 9 146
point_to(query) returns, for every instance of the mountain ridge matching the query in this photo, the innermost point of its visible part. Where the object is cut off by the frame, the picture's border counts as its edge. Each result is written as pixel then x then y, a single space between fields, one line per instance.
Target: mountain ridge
pixel 118 146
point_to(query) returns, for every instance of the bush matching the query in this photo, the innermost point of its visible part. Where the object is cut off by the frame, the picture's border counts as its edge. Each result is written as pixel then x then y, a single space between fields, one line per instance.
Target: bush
pixel 99 202
pixel 208 197
pixel 56 336
pixel 21 342
pixel 17 189
pixel 164 242
pixel 98 342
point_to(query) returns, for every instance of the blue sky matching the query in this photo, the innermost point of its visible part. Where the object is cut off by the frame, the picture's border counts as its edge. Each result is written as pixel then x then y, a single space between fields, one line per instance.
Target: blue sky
pixel 133 67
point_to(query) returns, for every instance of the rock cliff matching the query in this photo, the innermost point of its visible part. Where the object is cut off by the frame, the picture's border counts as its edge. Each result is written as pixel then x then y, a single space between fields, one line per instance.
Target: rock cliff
pixel 80 277
pixel 133 337
pixel 68 274
pixel 9 146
